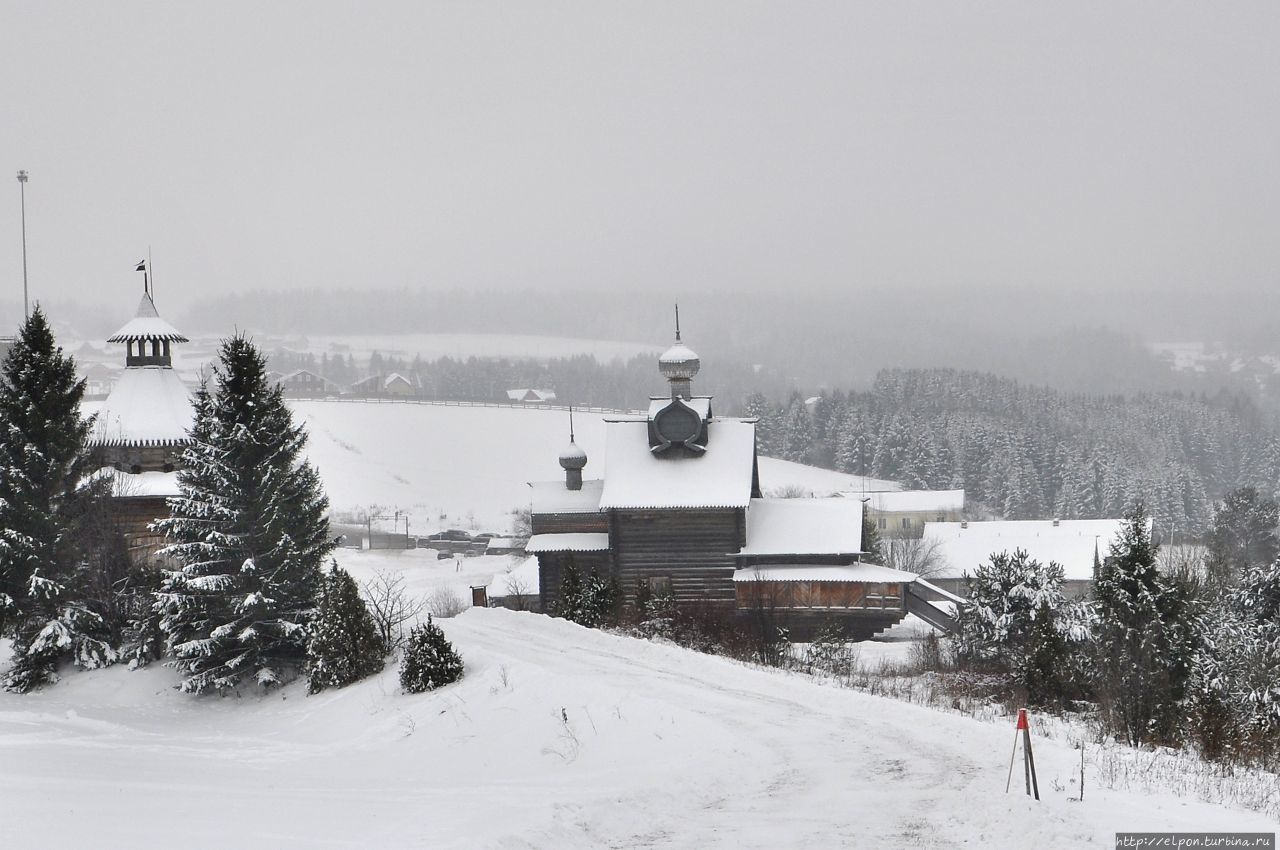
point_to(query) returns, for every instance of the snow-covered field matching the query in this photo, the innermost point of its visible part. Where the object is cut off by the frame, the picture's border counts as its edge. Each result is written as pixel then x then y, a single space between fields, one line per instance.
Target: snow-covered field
pixel 468 467
pixel 461 345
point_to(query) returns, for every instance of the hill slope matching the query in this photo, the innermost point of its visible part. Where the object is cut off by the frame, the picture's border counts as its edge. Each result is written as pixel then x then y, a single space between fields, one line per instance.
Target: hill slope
pixel 558 736
pixel 469 466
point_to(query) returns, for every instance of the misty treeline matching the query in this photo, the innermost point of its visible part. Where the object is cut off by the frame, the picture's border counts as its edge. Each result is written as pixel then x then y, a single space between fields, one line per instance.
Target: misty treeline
pixel 1032 452
pixel 804 338
pixel 580 380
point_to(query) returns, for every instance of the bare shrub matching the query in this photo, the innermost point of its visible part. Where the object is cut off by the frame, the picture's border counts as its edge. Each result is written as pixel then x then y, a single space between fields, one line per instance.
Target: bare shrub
pixel 919 555
pixel 520 596
pixel 391 607
pixel 926 655
pixel 789 491
pixel 444 602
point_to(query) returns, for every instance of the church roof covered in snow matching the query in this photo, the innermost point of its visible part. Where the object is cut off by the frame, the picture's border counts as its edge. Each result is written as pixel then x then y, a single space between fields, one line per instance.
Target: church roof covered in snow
pixel 552 497
pixel 808 572
pixel 804 527
pixel 148 406
pixel 147 324
pixel 568 542
pixel 701 405
pixel 961 547
pixel 722 477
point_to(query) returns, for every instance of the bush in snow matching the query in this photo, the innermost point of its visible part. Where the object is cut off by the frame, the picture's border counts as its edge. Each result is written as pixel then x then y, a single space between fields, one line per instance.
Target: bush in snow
pixel 832 653
pixel 249 531
pixel 592 601
pixel 429 660
pixel 655 614
pixel 445 602
pixel 344 646
pixel 1144 641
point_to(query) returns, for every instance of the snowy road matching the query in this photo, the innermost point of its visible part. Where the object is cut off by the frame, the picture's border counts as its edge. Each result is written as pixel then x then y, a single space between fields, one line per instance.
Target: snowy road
pixel 558 737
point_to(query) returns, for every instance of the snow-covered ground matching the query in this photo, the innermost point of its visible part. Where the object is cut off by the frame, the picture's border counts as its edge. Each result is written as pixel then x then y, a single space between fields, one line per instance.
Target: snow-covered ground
pixel 468 467
pixel 558 736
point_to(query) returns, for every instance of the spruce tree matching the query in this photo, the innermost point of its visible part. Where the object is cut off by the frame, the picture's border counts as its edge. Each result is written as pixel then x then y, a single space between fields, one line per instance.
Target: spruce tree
pixel 1243 536
pixel 1007 596
pixel 430 660
pixel 250 533
pixel 344 645
pixel 872 547
pixel 568 603
pixel 43 458
pixel 1144 639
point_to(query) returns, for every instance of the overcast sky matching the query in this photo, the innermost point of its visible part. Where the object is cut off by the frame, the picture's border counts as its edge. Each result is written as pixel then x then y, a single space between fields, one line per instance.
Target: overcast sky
pixel 777 145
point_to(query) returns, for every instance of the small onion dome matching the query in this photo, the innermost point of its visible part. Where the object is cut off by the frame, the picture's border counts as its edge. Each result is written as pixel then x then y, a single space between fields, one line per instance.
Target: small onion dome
pixel 572 457
pixel 679 363
pixel 147 325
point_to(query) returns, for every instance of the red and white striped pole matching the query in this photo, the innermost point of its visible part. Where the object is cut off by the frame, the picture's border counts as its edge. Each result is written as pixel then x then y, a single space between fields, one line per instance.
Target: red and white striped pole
pixel 1028 757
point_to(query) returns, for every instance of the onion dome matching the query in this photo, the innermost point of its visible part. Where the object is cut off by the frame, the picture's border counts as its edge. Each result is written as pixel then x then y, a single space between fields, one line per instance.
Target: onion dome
pixel 572 457
pixel 679 362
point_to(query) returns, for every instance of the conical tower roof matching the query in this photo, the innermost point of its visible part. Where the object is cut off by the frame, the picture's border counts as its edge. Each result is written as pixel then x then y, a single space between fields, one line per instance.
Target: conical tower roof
pixel 147 325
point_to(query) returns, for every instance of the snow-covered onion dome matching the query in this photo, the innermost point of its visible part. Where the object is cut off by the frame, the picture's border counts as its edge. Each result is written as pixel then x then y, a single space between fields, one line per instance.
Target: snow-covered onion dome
pixel 679 362
pixel 572 457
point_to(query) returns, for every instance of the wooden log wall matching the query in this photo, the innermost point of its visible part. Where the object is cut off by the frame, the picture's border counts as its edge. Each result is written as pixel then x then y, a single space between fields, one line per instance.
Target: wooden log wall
pixel 690 547
pixel 551 573
pixel 594 522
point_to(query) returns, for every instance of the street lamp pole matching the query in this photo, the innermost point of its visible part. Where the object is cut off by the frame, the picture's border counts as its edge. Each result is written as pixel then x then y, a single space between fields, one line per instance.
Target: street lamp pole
pixel 22 188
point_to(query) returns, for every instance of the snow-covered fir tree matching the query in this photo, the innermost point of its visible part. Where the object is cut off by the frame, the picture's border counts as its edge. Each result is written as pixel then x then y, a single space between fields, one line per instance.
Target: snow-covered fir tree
pixel 43 459
pixel 1144 639
pixel 344 645
pixel 250 533
pixel 430 660
pixel 1242 536
pixel 568 603
pixel 1006 595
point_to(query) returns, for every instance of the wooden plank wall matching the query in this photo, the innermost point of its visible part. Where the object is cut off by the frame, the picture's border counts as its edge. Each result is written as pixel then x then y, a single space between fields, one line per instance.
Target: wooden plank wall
pixel 595 522
pixel 690 546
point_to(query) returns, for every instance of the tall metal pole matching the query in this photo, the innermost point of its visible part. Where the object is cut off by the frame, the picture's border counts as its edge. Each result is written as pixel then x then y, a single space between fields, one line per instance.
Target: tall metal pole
pixel 22 188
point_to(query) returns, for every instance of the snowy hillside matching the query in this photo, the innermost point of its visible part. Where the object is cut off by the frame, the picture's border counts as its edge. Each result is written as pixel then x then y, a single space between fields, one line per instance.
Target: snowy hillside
pixel 471 465
pixel 558 736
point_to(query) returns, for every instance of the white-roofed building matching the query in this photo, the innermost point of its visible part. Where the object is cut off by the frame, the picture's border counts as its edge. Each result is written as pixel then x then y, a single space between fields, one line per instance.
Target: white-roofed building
pixel 531 396
pixel 960 547
pixel 142 427
pixel 903 513
pixel 679 513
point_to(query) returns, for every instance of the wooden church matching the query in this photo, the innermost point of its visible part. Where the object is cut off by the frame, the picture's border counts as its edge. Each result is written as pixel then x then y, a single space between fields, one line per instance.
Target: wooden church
pixel 680 509
pixel 142 428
